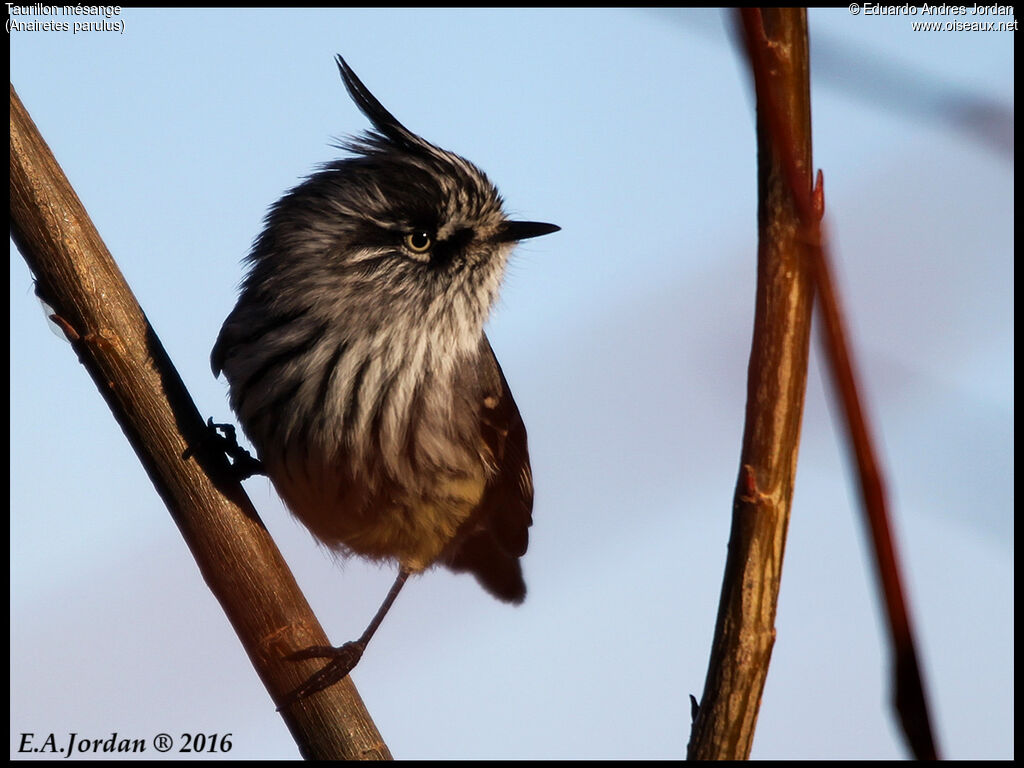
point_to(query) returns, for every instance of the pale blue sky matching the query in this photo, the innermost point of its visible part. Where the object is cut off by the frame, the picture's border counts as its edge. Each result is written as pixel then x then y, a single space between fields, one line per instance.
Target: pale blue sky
pixel 625 339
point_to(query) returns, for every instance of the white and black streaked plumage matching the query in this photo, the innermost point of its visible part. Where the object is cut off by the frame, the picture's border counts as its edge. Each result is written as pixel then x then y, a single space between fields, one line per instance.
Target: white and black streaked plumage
pixel 358 364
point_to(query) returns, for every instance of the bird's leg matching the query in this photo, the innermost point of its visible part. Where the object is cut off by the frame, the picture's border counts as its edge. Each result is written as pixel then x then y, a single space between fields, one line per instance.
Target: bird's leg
pixel 345 657
pixel 243 463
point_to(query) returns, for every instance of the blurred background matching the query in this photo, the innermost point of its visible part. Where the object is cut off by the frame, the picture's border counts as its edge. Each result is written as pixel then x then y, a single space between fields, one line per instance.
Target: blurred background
pixel 625 339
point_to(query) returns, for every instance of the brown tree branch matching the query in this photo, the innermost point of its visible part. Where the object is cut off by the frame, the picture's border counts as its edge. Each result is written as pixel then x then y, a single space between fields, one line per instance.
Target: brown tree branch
pixel 784 131
pixel 776 381
pixel 908 688
pixel 94 306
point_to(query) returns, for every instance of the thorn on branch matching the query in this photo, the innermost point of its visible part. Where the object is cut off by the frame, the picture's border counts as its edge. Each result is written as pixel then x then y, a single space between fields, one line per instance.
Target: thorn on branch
pixel 818 195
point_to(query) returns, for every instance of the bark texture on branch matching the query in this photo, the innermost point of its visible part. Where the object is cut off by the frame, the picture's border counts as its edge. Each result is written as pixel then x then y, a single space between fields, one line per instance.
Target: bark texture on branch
pixel 776 381
pixel 94 306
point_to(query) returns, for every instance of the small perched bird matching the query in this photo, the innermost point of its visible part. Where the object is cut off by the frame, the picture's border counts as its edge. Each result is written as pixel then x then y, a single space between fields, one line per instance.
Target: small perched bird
pixel 359 368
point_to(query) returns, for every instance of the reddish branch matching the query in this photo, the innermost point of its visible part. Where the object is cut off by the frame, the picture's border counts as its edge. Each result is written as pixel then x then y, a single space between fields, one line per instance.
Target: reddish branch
pixel 791 150
pixel 909 697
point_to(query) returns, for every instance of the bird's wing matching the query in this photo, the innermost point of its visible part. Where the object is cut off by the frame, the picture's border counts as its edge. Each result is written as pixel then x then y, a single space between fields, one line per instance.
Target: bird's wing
pixel 497 534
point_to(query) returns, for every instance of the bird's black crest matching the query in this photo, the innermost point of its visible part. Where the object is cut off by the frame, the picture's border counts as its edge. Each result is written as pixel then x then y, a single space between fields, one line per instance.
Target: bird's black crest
pixel 385 123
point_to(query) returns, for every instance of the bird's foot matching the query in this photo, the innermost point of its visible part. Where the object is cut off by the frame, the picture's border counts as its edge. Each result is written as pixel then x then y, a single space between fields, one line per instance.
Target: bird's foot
pixel 342 661
pixel 225 437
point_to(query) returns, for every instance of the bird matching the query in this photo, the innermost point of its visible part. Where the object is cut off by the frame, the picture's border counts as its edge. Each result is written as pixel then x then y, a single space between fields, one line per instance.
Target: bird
pixel 359 368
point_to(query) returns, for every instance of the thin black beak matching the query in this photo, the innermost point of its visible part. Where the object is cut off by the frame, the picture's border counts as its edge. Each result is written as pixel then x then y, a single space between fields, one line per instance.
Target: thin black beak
pixel 514 231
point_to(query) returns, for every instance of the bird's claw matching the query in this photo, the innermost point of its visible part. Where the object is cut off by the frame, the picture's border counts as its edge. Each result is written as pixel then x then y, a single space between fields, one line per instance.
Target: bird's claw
pixel 243 464
pixel 342 661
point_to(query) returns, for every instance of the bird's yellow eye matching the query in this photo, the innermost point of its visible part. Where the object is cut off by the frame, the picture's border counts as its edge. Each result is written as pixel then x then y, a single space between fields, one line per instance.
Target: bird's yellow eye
pixel 418 241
